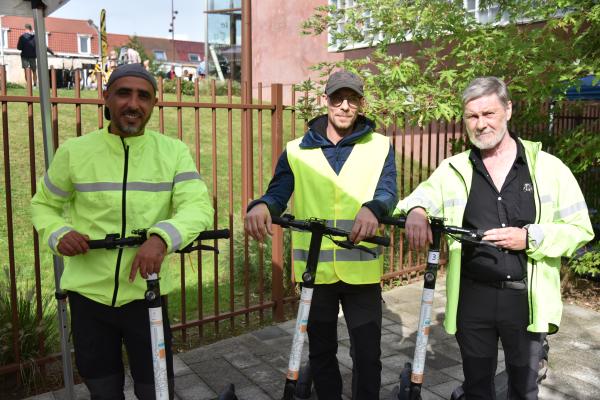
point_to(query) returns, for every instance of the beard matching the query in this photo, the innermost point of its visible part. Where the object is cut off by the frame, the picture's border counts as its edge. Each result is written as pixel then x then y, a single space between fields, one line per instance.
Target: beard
pixel 490 140
pixel 129 129
pixel 343 125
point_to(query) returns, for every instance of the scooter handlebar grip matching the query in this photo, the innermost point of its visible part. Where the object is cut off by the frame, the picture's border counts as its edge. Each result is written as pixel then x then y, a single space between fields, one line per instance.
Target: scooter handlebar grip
pixel 397 221
pixel 380 240
pixel 214 234
pixel 97 244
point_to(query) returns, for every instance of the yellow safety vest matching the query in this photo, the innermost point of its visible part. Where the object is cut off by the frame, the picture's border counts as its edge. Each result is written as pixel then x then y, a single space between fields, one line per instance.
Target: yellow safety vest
pixel 320 193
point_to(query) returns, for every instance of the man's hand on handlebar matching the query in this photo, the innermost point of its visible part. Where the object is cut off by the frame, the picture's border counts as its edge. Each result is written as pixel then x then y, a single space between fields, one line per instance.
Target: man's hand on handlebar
pixel 365 225
pixel 149 257
pixel 258 222
pixel 418 230
pixel 73 243
pixel 510 238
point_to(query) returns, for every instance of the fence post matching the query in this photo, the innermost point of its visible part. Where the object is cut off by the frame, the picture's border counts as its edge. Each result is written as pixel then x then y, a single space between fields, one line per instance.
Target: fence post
pixel 277 242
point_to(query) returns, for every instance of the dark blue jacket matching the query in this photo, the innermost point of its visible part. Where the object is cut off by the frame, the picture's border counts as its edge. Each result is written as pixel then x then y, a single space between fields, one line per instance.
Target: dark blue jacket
pixel 26 44
pixel 282 184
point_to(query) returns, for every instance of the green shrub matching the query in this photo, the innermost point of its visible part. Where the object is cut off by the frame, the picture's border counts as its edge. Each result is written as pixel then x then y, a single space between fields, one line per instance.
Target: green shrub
pixel 204 87
pixel 587 264
pixel 12 85
pixel 254 258
pixel 29 332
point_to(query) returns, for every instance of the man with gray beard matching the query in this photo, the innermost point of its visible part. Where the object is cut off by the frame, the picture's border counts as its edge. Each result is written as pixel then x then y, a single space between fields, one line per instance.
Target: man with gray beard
pixel 530 205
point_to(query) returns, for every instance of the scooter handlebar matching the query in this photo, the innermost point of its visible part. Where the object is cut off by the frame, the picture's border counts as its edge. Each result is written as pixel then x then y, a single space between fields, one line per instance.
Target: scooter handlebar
pixel 214 234
pixel 389 220
pixel 288 221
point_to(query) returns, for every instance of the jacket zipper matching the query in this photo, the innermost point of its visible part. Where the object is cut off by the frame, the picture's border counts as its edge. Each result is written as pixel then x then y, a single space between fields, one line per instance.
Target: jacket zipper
pixel 123 220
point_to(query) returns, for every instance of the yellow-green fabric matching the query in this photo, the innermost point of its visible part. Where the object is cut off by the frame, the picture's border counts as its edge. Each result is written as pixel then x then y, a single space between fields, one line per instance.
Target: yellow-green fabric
pixel 83 191
pixel 562 226
pixel 320 193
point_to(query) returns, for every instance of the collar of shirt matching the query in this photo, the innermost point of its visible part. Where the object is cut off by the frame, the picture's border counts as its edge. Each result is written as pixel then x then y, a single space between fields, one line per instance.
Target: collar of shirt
pixel 317 132
pixel 475 155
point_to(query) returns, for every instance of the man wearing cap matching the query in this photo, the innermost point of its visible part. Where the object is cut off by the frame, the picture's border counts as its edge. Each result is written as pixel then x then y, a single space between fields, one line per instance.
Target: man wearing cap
pixel 343 172
pixel 115 180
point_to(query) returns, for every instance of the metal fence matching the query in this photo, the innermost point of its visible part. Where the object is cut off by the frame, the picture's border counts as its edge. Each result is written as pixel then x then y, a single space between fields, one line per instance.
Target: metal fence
pixel 236 147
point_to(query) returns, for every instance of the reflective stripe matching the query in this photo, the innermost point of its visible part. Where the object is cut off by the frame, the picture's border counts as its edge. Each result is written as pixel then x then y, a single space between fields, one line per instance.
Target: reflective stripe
pixel 356 254
pixel 455 203
pixel 419 199
pixel 136 186
pixel 186 176
pixel 53 239
pixel 340 255
pixel 344 224
pixel 302 255
pixel 565 212
pixel 546 199
pixel 535 234
pixel 51 187
pixel 172 232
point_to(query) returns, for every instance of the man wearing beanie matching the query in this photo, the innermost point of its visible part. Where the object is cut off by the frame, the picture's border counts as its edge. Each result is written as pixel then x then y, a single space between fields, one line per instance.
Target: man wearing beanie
pixel 115 180
pixel 344 172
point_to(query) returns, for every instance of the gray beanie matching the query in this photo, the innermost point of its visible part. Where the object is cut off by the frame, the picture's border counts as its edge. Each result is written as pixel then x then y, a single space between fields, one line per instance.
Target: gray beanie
pixel 136 70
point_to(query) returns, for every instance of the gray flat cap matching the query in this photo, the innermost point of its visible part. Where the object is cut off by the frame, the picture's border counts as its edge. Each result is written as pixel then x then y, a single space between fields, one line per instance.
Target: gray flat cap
pixel 344 79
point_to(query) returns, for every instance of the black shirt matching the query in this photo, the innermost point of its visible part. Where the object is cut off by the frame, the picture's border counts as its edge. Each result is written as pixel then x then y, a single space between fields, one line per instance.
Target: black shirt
pixel 487 208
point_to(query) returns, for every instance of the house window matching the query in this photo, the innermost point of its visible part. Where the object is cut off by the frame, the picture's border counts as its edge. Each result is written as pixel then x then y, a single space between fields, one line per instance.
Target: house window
pixel 84 44
pixel 365 28
pixel 4 38
pixel 160 55
pixel 485 16
pixel 193 57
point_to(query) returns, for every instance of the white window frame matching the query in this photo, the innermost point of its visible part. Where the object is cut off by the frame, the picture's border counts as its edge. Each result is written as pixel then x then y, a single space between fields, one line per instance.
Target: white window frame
pixel 164 53
pixel 4 38
pixel 486 16
pixel 89 43
pixel 196 55
pixel 333 47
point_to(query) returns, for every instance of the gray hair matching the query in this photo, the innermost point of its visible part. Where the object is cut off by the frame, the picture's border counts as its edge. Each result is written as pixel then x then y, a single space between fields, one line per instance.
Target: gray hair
pixel 28 26
pixel 485 86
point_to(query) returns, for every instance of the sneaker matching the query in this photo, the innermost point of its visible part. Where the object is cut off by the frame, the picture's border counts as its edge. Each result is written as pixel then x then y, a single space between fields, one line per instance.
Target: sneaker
pixel 542 371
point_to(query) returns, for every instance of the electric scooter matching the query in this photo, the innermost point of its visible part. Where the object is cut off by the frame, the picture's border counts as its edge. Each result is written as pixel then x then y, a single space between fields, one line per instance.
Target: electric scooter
pixel 411 377
pixel 152 296
pixel 297 378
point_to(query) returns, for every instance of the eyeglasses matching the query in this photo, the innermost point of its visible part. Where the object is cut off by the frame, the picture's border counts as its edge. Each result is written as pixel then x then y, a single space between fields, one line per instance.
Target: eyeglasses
pixel 336 100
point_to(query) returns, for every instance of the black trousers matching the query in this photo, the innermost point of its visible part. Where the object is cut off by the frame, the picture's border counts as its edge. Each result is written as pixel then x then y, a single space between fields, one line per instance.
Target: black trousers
pixel 99 332
pixel 486 314
pixel 362 310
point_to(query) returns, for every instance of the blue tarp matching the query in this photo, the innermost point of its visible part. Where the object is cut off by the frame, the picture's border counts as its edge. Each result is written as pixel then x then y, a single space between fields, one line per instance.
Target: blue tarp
pixel 587 90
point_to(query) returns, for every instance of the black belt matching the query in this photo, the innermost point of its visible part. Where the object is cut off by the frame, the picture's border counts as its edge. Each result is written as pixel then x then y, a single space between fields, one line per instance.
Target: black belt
pixel 515 285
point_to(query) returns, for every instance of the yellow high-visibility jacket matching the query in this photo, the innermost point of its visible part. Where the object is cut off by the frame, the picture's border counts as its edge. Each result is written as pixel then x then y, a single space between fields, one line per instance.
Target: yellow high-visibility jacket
pixel 562 225
pixel 99 184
